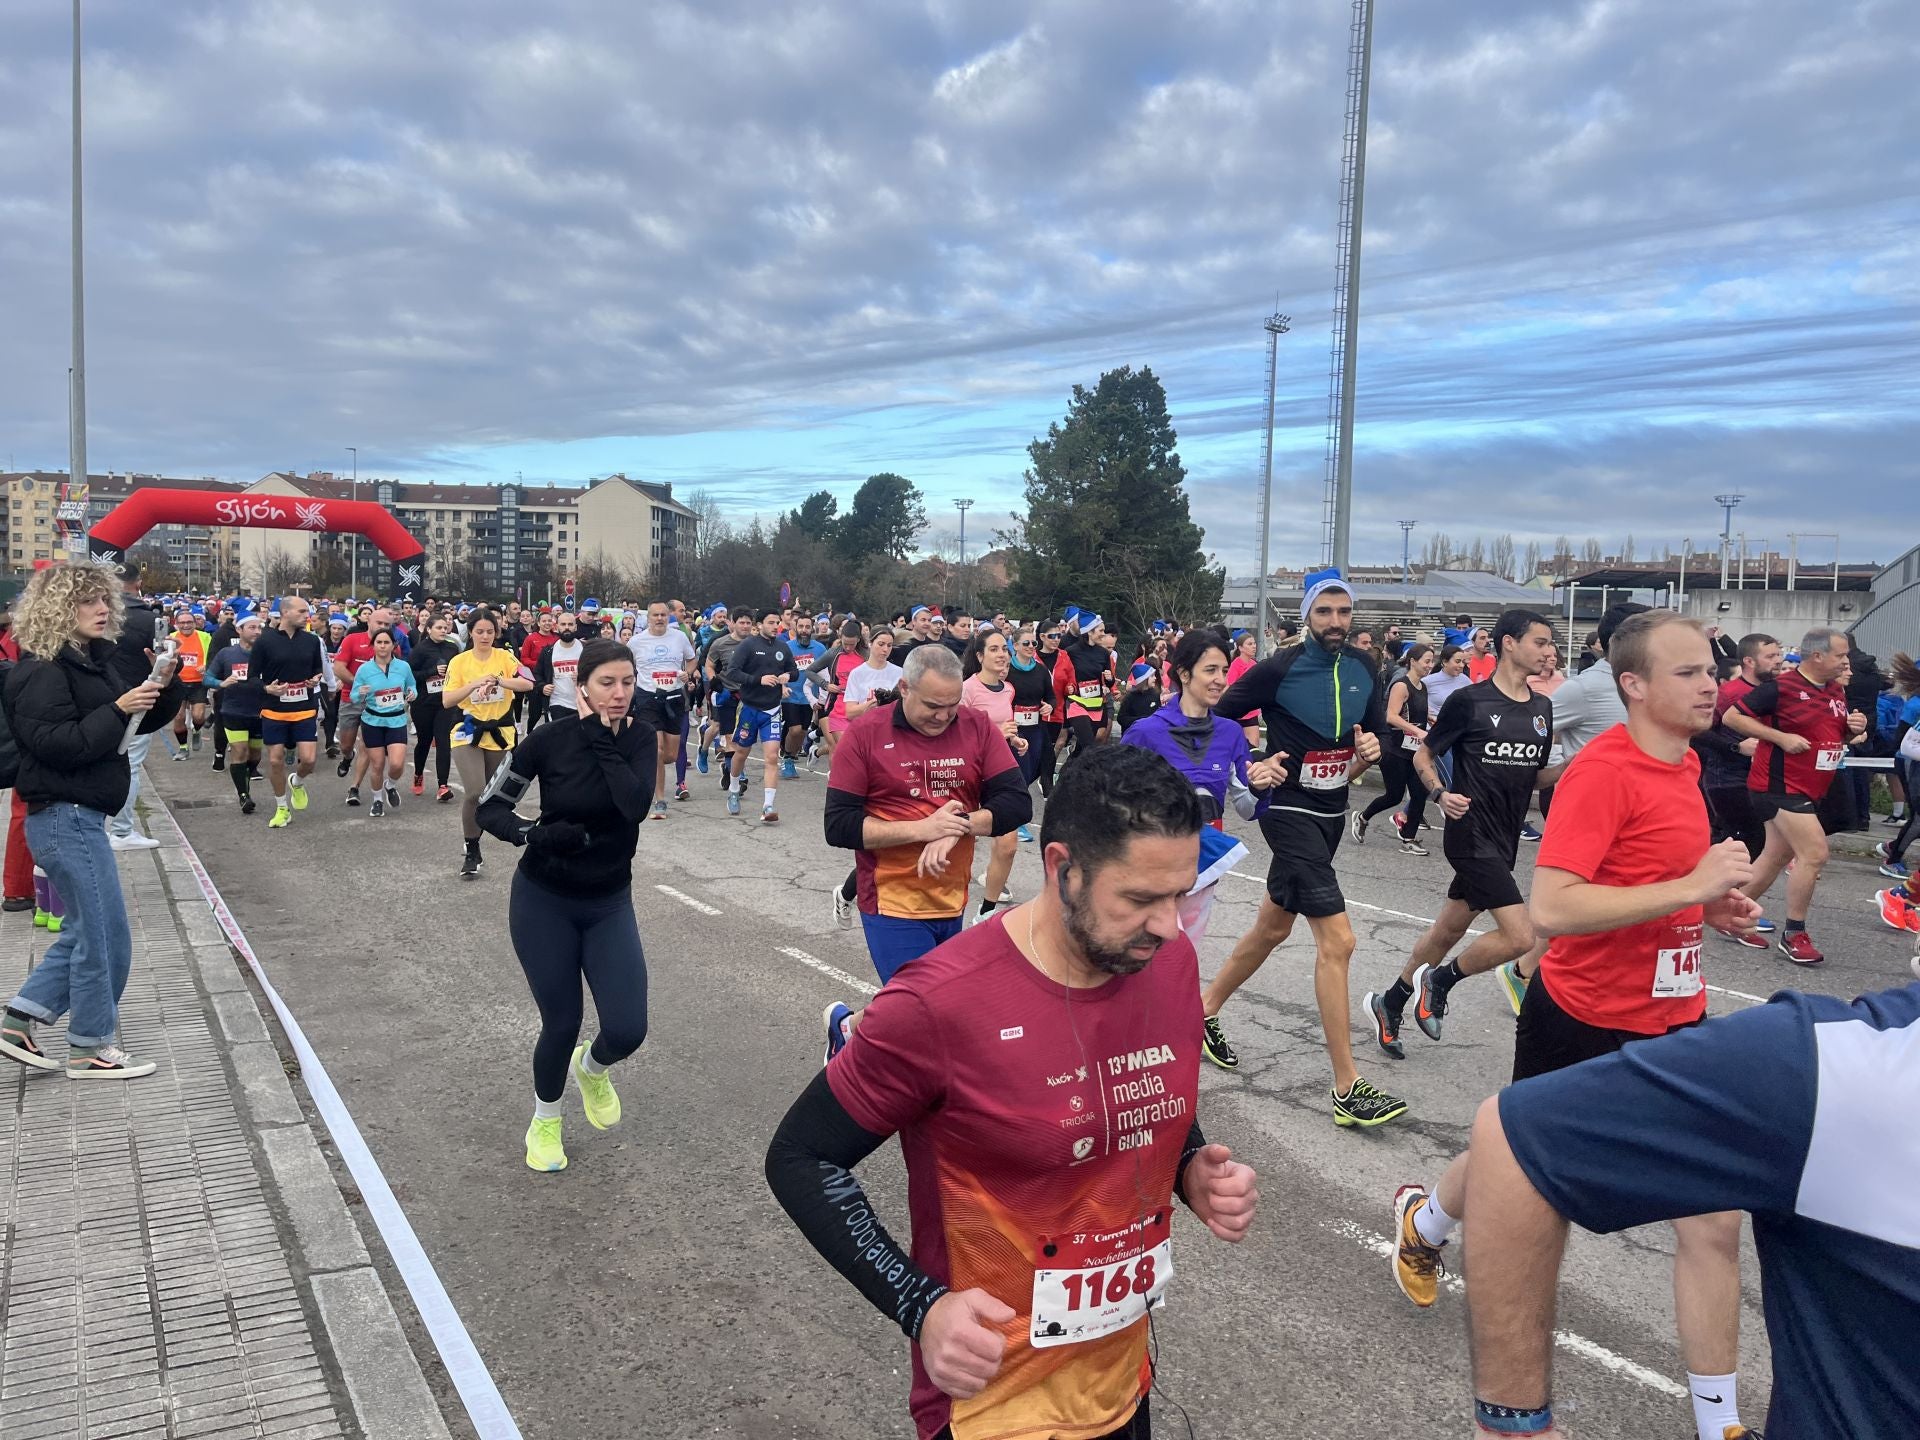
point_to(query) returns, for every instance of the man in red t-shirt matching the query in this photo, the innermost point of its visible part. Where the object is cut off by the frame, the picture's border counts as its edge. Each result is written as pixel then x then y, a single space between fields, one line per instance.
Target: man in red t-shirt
pixel 1799 754
pixel 1042 1072
pixel 1626 879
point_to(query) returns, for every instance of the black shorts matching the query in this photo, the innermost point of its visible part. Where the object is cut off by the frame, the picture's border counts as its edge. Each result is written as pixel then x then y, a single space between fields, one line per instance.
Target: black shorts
pixel 792 715
pixel 665 711
pixel 726 712
pixel 1548 1038
pixel 1300 878
pixel 193 694
pixel 1483 883
pixel 1769 803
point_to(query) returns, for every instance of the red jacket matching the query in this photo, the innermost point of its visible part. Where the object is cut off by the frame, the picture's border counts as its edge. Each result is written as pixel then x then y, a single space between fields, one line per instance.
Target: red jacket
pixel 536 645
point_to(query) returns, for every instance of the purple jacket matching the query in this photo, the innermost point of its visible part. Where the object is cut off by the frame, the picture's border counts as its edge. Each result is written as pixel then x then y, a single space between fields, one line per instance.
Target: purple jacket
pixel 1223 760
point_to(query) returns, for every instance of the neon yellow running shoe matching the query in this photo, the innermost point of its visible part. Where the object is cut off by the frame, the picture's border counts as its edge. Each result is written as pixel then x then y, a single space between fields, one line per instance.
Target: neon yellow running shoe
pixel 297 794
pixel 1513 984
pixel 282 817
pixel 543 1145
pixel 596 1092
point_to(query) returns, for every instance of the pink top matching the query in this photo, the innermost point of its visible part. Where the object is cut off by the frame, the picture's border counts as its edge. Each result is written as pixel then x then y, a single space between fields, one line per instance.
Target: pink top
pixel 1237 667
pixel 998 704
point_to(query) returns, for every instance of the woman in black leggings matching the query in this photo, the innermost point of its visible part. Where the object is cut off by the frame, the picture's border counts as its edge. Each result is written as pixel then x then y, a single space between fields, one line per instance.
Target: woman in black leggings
pixel 570 914
pixel 1406 728
pixel 432 720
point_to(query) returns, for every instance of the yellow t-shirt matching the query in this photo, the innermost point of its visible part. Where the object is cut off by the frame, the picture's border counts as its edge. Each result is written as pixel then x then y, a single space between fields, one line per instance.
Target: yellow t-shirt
pixel 467 667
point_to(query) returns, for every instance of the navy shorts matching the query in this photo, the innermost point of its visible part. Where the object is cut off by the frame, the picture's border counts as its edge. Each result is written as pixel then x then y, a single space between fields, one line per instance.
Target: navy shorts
pixel 756 727
pixel 893 941
pixel 289 732
pixel 376 733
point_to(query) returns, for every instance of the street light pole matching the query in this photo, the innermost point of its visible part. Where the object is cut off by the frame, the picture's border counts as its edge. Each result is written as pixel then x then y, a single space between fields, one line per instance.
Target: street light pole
pixel 77 398
pixel 353 540
pixel 1726 504
pixel 1406 550
pixel 1276 326
pixel 966 590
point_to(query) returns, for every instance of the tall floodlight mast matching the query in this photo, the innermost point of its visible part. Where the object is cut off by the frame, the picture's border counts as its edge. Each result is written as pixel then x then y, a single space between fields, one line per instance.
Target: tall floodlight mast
pixel 1277 325
pixel 1337 520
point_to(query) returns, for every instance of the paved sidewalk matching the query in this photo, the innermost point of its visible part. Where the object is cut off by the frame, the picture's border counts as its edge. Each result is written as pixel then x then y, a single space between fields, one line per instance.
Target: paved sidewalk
pixel 179 1262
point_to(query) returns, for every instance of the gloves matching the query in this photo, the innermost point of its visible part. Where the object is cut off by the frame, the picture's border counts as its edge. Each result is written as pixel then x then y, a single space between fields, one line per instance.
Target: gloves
pixel 557 837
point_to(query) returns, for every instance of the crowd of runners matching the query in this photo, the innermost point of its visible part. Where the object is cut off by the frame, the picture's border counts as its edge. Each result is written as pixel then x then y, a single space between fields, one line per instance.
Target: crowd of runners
pixel 1038 1056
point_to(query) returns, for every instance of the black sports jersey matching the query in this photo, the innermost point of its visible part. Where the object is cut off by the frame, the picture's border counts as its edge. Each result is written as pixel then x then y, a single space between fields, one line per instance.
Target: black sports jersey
pixel 1499 746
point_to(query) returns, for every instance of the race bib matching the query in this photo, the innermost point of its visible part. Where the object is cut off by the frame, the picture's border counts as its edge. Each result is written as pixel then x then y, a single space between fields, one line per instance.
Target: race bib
pixel 1090 690
pixel 1026 714
pixel 1326 769
pixel 1827 757
pixel 666 679
pixel 1676 972
pixel 239 672
pixel 1409 742
pixel 1087 1286
pixel 389 699
pixel 566 668
pixel 292 694
pixel 435 686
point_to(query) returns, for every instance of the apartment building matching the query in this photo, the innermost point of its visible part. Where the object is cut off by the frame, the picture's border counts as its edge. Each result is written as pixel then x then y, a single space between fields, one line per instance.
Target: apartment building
pixel 44 518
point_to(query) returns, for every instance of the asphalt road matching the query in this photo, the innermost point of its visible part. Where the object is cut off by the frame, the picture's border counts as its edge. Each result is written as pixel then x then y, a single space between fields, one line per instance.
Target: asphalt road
pixel 655 1289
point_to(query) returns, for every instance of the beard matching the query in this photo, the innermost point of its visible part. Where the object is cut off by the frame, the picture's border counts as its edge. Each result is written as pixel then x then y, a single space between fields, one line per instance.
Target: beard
pixel 1331 638
pixel 1077 914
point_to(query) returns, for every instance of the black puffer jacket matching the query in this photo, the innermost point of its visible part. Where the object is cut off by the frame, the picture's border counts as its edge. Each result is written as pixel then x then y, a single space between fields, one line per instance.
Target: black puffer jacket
pixel 132 658
pixel 68 727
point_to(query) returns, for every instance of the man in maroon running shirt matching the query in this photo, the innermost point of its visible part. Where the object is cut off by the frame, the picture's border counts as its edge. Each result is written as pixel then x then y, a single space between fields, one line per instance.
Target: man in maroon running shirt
pixel 1801 720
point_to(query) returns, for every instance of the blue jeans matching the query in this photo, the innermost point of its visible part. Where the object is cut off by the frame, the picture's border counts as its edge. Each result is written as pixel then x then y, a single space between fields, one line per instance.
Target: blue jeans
pixel 122 823
pixel 893 942
pixel 84 971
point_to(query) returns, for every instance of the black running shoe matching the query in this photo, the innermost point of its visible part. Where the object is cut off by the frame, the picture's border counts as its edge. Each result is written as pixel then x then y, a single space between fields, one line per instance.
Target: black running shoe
pixel 219 762
pixel 247 807
pixel 353 796
pixel 1386 1024
pixel 1214 1042
pixel 1429 1000
pixel 469 865
pixel 1365 1107
pixel 344 766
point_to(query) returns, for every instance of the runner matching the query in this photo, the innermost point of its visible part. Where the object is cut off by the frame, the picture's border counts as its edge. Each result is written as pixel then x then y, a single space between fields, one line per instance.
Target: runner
pixel 1798 756
pixel 1324 712
pixel 195 650
pixel 291 665
pixel 383 688
pixel 570 909
pixel 912 784
pixel 1619 1142
pixel 759 671
pixel 556 665
pixel 988 690
pixel 1246 648
pixel 353 652
pixel 1211 754
pixel 238 699
pixel 1019 1209
pixel 1627 876
pixel 538 639
pixel 796 706
pixel 1083 675
pixel 1032 699
pixel 432 720
pixel 866 683
pixel 724 701
pixel 1499 732
pixel 1727 758
pixel 831 671
pixel 663 660
pixel 1407 719
pixel 919 632
pixel 481 683
pixel 1053 722
pixel 224 634
pixel 330 685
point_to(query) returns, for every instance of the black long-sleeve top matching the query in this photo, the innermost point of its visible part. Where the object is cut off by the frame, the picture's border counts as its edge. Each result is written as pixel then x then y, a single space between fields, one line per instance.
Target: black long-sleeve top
pixel 595 788
pixel 809 1168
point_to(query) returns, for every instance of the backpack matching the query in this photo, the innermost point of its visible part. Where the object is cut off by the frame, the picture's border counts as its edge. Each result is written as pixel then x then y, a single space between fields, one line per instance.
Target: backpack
pixel 9 752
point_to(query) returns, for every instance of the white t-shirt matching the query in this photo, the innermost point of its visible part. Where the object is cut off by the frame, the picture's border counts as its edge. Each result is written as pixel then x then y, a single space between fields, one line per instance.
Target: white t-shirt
pixel 660 661
pixel 565 660
pixel 863 680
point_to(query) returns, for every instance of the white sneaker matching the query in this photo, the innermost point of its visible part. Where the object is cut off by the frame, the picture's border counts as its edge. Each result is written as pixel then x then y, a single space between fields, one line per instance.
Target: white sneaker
pixel 842 910
pixel 109 1062
pixel 133 841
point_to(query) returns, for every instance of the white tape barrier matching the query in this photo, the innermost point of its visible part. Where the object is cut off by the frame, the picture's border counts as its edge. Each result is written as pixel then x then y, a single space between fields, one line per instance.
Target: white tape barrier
pixel 485 1408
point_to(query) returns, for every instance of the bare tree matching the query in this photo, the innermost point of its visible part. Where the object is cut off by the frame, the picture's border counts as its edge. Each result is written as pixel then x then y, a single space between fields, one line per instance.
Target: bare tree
pixel 1476 556
pixel 1590 552
pixel 1562 557
pixel 1501 556
pixel 1627 552
pixel 280 572
pixel 1530 564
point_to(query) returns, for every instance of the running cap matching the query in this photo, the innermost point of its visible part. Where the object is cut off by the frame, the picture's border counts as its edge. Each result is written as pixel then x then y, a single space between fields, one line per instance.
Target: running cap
pixel 1318 582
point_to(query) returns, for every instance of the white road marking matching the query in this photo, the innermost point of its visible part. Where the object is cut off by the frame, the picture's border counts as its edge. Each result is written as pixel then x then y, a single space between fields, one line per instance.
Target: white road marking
pixel 1566 1339
pixel 833 971
pixel 687 900
pixel 478 1393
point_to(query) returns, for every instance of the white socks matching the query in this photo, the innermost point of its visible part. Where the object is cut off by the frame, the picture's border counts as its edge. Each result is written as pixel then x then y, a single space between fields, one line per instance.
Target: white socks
pixel 767 802
pixel 1436 1227
pixel 1716 1409
pixel 545 1109
pixel 591 1065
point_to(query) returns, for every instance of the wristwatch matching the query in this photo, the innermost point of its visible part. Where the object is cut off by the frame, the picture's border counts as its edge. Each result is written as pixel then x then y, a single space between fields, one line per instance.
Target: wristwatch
pixel 1438 794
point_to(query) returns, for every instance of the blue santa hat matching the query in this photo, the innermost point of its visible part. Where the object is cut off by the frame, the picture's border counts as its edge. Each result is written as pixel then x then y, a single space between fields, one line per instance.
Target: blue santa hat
pixel 918 611
pixel 590 604
pixel 1086 619
pixel 1140 674
pixel 1317 583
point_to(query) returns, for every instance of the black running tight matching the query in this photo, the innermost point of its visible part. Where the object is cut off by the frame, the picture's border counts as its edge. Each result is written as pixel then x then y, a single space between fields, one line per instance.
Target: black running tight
pixel 562 940
pixel 432 725
pixel 1403 784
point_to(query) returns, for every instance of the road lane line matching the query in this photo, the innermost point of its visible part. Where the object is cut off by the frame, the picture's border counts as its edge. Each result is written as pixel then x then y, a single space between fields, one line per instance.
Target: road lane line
pixel 478 1393
pixel 834 971
pixel 1573 1344
pixel 687 900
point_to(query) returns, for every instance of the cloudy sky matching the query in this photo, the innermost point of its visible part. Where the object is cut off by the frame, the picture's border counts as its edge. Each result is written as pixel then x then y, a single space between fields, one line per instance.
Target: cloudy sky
pixel 1620 256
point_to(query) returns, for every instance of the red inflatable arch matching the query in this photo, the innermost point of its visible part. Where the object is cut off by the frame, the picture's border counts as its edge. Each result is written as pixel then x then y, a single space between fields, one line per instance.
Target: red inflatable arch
pixel 141 511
